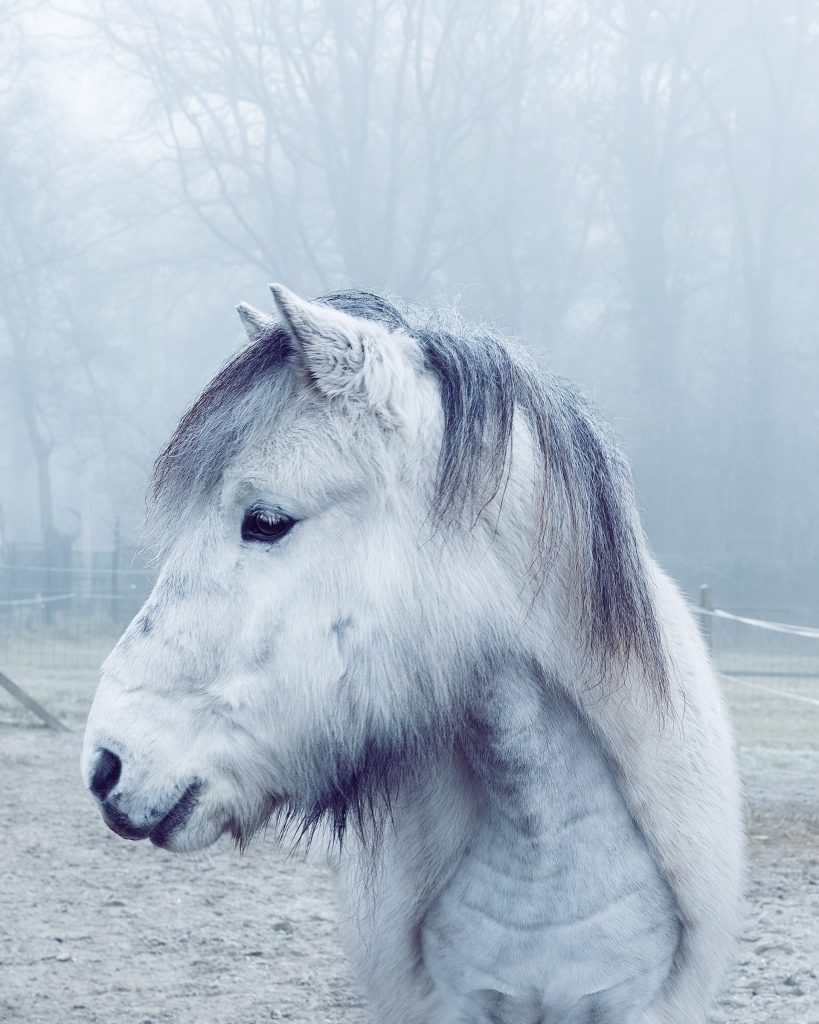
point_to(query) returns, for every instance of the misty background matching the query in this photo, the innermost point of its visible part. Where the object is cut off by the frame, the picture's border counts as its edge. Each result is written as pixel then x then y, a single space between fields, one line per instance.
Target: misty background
pixel 629 186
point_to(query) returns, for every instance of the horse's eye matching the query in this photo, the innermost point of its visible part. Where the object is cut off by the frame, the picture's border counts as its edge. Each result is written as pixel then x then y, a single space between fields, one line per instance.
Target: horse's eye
pixel 265 526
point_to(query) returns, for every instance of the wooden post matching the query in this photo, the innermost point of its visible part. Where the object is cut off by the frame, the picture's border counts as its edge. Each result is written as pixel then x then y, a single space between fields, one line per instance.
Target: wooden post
pixel 706 620
pixel 48 578
pixel 115 571
pixel 32 705
pixel 14 584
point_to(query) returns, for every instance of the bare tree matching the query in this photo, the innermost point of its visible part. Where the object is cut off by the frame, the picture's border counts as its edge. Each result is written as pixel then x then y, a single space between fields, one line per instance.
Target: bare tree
pixel 342 139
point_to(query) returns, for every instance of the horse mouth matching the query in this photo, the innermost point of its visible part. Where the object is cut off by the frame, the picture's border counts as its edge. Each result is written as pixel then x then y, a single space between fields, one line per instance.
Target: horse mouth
pixel 164 830
pixel 176 818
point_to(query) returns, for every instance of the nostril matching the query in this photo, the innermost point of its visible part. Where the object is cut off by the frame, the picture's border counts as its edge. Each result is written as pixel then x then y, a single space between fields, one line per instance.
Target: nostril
pixel 106 774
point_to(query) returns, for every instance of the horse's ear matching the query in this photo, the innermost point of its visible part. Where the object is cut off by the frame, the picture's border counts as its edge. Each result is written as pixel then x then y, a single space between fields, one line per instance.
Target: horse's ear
pixel 255 322
pixel 345 355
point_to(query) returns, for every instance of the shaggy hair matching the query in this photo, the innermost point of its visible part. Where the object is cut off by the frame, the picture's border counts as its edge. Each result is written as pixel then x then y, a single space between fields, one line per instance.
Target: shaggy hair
pixel 518 784
pixel 584 484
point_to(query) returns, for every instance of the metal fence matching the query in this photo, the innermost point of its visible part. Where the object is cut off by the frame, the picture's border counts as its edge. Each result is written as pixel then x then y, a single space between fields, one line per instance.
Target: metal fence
pixel 769 669
pixel 65 608
pixel 65 611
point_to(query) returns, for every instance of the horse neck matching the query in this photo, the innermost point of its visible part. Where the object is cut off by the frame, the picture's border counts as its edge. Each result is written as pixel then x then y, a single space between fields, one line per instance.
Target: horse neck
pixel 519 732
pixel 493 786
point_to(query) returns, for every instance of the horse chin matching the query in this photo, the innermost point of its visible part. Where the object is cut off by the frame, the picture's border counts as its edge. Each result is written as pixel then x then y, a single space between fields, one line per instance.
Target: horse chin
pixel 245 826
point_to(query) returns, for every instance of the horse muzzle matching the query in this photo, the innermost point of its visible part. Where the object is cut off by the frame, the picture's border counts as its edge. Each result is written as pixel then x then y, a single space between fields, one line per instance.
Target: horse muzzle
pixel 159 824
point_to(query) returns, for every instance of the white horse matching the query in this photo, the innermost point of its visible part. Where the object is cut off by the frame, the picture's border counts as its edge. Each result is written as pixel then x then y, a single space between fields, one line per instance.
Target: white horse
pixel 405 592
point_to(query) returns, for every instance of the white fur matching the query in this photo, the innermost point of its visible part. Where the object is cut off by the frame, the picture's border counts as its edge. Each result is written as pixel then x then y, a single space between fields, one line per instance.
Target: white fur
pixel 583 839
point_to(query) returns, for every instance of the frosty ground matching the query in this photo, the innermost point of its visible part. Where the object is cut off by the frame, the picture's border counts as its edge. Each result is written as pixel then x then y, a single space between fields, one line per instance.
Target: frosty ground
pixel 95 929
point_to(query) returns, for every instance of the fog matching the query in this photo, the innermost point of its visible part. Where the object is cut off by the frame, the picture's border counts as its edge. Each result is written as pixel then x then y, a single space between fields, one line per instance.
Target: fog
pixel 629 187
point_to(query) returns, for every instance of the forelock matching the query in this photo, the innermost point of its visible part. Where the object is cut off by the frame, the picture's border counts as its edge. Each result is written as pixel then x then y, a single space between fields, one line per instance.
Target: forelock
pixel 240 404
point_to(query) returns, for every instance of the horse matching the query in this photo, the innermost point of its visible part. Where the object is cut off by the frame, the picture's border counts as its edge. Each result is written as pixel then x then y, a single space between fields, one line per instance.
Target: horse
pixel 404 602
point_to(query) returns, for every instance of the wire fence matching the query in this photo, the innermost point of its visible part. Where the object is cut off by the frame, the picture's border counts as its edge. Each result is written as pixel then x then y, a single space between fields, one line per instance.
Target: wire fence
pixel 65 613
pixel 66 609
pixel 769 670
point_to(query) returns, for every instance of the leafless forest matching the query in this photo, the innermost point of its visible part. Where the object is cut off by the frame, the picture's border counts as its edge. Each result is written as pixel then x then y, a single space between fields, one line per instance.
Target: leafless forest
pixel 631 187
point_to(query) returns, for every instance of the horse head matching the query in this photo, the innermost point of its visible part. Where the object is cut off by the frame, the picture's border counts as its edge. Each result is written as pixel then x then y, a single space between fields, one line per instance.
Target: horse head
pixel 314 622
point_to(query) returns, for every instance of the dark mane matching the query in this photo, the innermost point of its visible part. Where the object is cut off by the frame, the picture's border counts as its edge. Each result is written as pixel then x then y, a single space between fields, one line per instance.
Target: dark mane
pixel 483 382
pixel 240 401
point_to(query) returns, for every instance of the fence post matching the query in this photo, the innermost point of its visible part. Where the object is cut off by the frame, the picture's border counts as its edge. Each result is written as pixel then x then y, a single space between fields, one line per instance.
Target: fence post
pixel 115 569
pixel 706 620
pixel 14 585
pixel 48 577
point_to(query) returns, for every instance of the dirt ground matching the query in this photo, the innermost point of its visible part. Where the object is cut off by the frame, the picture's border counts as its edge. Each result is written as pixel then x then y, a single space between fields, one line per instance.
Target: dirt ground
pixel 94 929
